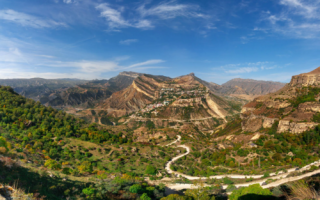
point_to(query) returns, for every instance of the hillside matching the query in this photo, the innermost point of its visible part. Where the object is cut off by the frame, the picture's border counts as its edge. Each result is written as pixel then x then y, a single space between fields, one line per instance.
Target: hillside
pixel 55 156
pixel 162 99
pixel 64 157
pixel 295 107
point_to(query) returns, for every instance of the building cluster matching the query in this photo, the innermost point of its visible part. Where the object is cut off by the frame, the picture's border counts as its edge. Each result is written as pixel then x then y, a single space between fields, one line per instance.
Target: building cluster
pixel 173 94
pixel 155 105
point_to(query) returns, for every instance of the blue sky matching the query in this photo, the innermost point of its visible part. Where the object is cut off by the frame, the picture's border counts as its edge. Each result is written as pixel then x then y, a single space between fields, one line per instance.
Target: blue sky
pixel 217 40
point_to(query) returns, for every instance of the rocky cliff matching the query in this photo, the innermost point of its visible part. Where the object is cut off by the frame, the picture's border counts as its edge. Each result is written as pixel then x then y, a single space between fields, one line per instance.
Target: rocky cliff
pixel 295 107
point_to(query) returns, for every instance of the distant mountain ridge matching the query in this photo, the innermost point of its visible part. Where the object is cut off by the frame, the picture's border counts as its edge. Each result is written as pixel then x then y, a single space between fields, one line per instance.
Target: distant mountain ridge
pixel 250 87
pixel 88 94
pixel 35 88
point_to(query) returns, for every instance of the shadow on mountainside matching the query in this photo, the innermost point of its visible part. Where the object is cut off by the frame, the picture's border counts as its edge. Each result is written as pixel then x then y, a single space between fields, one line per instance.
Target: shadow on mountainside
pixel 41 185
pixel 259 197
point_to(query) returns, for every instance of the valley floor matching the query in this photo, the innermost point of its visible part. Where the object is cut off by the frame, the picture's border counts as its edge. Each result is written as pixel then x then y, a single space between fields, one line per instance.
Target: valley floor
pixel 277 178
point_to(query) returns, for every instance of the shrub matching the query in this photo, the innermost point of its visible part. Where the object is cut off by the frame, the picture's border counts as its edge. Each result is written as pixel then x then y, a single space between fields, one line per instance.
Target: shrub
pixel 88 191
pixel 231 188
pixel 277 191
pixel 136 188
pixel 144 196
pixel 227 181
pixel 266 174
pixel 252 189
pixel 151 170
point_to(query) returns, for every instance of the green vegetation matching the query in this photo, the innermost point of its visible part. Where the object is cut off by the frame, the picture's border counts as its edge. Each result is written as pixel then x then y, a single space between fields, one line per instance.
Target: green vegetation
pixel 248 193
pixel 306 94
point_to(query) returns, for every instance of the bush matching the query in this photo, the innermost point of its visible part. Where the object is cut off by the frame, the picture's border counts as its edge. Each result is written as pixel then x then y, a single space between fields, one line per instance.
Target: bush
pixel 88 191
pixel 227 181
pixel 151 170
pixel 252 189
pixel 136 188
pixel 145 197
pixel 266 174
pixel 231 188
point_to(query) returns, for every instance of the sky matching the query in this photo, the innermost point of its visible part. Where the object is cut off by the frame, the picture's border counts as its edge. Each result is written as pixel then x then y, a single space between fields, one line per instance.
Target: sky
pixel 217 40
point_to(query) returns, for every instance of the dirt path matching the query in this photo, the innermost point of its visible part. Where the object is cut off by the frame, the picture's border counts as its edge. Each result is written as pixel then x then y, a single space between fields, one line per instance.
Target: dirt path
pixel 280 176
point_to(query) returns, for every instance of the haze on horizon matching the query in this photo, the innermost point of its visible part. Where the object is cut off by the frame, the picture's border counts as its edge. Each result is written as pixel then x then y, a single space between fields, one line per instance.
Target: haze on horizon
pixel 217 40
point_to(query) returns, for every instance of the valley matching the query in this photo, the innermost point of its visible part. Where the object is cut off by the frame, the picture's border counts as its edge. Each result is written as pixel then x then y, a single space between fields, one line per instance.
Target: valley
pixel 163 135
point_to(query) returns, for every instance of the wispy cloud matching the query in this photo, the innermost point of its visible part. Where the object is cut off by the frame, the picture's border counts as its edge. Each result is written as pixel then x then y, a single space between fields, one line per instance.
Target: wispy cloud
pixel 171 9
pixel 145 17
pixel 298 18
pixel 17 60
pixel 242 70
pixel 67 1
pixel 248 67
pixel 149 62
pixel 28 20
pixel 128 41
pixel 115 19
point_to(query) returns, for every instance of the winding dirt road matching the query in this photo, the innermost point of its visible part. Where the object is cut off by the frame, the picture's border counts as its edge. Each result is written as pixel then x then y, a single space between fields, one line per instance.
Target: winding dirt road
pixel 280 177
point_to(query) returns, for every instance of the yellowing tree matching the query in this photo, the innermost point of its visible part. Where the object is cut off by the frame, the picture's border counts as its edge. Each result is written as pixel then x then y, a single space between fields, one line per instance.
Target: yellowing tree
pixel 3 142
pixel 200 192
pixel 52 164
pixel 4 145
pixel 85 167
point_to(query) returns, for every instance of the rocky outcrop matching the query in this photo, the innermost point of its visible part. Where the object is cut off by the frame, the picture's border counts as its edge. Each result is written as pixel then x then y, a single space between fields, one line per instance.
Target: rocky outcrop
pixel 309 106
pixel 268 122
pixel 294 127
pixel 307 79
pixel 295 104
pixel 252 124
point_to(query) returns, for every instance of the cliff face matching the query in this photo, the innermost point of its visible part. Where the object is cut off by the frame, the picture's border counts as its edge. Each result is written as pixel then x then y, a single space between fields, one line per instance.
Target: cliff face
pixel 308 79
pixel 141 92
pixel 296 106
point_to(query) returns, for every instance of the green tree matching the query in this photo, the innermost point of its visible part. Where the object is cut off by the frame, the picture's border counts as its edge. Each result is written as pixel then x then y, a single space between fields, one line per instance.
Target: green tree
pixel 89 192
pixel 144 196
pixel 136 188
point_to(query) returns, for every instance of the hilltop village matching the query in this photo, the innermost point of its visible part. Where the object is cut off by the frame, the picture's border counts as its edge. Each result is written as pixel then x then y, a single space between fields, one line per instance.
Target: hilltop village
pixel 170 95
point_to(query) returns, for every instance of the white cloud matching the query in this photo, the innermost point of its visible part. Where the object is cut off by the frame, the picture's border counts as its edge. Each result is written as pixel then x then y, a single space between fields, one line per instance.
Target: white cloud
pixel 298 18
pixel 300 7
pixel 115 19
pixel 27 20
pixel 128 41
pixel 242 70
pixel 148 62
pixel 146 18
pixel 248 67
pixel 67 1
pixel 171 9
